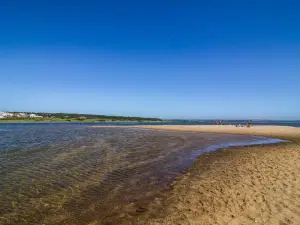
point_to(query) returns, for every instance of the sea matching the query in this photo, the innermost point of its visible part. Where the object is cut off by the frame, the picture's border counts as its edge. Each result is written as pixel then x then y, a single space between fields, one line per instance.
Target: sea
pixel 70 173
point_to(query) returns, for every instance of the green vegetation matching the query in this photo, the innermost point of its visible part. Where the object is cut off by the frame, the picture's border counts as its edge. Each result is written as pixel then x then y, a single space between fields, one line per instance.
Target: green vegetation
pixel 73 117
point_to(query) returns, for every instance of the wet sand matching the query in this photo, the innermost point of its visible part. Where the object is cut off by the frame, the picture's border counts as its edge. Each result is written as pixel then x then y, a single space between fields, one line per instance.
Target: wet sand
pixel 240 185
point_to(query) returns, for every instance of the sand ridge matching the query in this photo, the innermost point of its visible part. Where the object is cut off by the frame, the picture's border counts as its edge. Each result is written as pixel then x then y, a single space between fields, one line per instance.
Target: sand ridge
pixel 290 133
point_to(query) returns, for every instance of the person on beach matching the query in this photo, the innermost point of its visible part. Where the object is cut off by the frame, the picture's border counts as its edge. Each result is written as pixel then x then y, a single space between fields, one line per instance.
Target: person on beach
pixel 249 124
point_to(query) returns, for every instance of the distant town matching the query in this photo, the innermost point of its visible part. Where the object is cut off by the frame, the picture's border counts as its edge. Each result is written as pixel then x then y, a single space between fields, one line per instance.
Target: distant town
pixel 67 117
pixel 7 115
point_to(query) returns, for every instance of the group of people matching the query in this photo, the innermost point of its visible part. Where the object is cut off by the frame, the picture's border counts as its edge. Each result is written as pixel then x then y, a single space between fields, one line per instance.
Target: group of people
pixel 220 122
pixel 248 124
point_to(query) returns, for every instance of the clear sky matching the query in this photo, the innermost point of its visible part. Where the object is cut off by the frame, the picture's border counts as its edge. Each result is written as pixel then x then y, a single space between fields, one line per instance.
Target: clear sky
pixel 168 59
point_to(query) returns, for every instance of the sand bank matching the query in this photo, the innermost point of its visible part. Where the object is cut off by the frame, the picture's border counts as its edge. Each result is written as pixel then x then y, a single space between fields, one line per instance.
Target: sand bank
pixel 241 185
pixel 290 133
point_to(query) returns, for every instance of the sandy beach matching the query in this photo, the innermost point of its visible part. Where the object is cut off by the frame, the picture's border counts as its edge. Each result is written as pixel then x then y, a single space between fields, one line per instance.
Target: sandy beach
pixel 240 185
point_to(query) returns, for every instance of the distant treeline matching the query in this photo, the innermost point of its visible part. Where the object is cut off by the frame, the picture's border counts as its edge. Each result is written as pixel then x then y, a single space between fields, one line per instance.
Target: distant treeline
pixel 91 116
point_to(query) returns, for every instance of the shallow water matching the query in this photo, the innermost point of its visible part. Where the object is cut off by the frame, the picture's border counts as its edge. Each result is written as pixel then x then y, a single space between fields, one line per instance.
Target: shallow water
pixel 72 174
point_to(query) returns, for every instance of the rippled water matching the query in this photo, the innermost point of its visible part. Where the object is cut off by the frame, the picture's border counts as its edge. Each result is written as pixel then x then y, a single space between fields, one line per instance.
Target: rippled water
pixel 72 174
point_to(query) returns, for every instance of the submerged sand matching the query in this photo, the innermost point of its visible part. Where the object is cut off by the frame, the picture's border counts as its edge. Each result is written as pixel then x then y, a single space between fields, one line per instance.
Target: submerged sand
pixel 241 185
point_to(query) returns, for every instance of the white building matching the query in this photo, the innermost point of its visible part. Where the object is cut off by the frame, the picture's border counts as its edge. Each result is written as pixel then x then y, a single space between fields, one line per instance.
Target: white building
pixel 21 115
pixel 34 116
pixel 5 114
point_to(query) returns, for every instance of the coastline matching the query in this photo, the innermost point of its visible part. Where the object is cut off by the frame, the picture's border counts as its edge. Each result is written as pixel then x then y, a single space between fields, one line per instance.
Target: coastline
pixel 238 185
pixel 281 132
pixel 75 121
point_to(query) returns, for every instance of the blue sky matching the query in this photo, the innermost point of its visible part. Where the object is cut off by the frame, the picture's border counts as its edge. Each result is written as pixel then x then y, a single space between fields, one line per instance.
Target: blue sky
pixel 168 59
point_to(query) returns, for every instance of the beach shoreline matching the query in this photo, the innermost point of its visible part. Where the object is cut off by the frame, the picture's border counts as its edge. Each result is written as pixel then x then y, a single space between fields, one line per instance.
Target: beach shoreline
pixel 237 185
pixel 281 132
